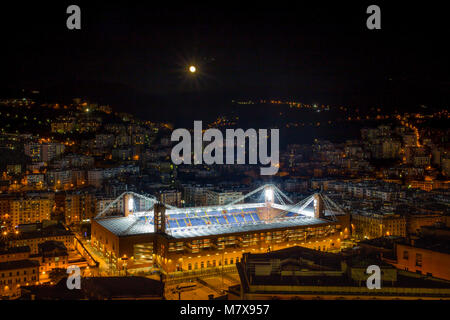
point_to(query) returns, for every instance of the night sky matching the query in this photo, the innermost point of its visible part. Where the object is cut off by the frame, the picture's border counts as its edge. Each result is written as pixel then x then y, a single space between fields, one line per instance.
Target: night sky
pixel 281 51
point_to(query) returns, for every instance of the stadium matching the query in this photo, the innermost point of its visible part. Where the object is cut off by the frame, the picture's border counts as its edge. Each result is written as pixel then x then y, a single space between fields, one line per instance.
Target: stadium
pixel 151 234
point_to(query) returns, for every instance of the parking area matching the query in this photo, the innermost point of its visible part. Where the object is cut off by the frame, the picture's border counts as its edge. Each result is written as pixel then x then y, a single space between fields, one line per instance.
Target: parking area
pixel 200 289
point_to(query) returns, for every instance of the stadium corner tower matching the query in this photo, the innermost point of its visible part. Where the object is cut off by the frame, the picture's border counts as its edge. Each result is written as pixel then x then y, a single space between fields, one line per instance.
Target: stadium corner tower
pixel 139 232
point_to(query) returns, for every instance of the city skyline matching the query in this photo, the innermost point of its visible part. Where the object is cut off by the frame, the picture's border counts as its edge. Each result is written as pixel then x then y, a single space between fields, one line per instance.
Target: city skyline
pixel 239 154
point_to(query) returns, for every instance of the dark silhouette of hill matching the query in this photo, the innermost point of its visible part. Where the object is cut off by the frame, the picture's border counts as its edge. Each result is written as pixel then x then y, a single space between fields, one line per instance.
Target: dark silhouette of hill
pixel 181 108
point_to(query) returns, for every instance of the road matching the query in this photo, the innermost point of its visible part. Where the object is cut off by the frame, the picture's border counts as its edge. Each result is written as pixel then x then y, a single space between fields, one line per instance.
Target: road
pixel 104 265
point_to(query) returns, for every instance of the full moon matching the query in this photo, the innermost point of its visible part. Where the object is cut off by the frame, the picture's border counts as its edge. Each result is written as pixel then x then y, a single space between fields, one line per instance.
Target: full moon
pixel 192 69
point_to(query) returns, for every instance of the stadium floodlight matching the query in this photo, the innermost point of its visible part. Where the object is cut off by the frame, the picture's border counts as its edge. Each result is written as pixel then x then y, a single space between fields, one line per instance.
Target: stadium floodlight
pixel 130 204
pixel 269 194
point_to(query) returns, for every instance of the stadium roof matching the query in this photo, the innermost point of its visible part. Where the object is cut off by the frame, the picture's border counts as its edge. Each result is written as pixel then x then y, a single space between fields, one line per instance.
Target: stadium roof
pixel 126 226
pixel 192 232
pixel 231 218
pixel 142 223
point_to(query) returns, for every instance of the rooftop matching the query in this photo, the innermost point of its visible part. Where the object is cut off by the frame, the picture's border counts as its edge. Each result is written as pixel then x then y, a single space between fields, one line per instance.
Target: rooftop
pixel 12 250
pixel 317 268
pixel 101 288
pixel 430 243
pixel 50 231
pixel 18 264
pixel 383 242
pixel 129 287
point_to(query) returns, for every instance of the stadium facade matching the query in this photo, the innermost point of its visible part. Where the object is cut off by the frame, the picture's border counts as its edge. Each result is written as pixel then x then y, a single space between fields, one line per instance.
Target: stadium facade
pixel 151 234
